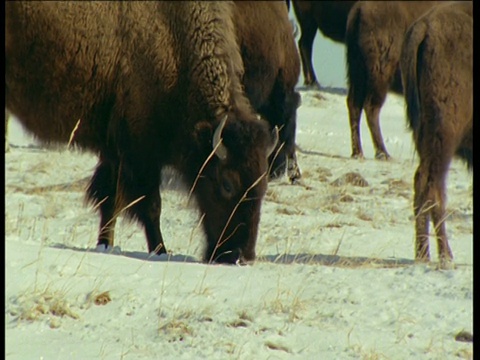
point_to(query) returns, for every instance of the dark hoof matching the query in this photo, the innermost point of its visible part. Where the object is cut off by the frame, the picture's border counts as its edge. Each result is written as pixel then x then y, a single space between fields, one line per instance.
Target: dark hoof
pixel 294 175
pixel 422 259
pixel 295 180
pixel 446 264
pixel 315 86
pixel 159 250
pixel 293 170
pixel 382 156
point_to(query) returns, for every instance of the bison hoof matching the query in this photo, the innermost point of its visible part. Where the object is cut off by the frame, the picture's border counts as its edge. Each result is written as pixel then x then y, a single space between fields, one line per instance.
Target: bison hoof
pixel 382 156
pixel 107 249
pixel 315 86
pixel 158 250
pixel 357 155
pixel 295 178
pixel 158 257
pixel 446 264
pixel 293 172
pixel 422 259
pixel 102 248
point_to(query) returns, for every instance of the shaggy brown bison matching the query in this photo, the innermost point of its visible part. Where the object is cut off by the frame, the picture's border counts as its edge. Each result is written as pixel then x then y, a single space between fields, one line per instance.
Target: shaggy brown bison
pixel 437 73
pixel 145 85
pixel 330 17
pixel 272 68
pixel 375 31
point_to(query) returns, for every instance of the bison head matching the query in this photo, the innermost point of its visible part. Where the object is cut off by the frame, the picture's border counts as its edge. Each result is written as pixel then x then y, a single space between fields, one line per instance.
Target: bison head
pixel 230 186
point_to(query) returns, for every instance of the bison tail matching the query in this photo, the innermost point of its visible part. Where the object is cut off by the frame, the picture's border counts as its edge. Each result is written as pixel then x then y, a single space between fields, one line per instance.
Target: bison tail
pixel 355 62
pixel 410 61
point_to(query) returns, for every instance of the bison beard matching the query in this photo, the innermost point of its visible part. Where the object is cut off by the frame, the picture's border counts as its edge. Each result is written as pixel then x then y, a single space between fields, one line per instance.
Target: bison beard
pixel 127 71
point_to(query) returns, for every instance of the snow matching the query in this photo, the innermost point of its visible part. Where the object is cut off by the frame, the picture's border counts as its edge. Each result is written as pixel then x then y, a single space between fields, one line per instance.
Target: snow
pixel 334 276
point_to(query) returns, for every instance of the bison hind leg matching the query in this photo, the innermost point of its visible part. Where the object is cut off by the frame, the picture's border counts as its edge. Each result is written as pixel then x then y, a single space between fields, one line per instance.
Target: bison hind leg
pixel 102 193
pixel 422 216
pixel 355 108
pixel 438 218
pixel 308 27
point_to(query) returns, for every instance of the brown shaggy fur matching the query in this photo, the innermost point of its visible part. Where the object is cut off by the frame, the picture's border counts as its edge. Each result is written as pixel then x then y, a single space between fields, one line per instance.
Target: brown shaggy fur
pixel 437 72
pixel 375 31
pixel 272 68
pixel 149 82
pixel 330 17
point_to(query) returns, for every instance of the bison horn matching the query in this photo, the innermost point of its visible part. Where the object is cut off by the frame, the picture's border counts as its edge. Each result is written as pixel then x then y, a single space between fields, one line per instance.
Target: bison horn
pixel 220 149
pixel 274 142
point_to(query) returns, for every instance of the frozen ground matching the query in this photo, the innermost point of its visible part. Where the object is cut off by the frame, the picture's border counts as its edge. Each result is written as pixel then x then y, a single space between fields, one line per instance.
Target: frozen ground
pixel 334 279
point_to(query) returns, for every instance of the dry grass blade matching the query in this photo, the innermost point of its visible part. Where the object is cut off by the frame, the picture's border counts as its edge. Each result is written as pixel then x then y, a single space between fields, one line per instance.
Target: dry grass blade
pixel 275 157
pixel 203 167
pixel 122 210
pixel 72 134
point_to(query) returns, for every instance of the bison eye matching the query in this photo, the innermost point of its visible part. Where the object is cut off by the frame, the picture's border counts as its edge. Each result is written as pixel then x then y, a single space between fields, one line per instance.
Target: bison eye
pixel 227 188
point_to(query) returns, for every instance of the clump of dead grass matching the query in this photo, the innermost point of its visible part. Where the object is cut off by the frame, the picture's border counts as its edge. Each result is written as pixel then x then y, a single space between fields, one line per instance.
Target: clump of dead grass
pixel 352 178
pixel 99 298
pixel 49 305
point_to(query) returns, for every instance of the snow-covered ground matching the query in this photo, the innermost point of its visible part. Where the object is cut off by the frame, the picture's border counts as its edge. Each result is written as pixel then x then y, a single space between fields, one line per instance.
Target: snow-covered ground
pixel 334 279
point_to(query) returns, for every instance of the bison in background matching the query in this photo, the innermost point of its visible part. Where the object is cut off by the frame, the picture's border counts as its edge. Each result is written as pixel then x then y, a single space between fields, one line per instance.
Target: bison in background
pixel 330 17
pixel 272 68
pixel 375 31
pixel 437 73
pixel 145 85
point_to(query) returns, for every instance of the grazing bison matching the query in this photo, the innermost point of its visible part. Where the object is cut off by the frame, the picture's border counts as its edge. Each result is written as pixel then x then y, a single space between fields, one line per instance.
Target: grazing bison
pixel 145 85
pixel 375 31
pixel 437 73
pixel 272 68
pixel 330 17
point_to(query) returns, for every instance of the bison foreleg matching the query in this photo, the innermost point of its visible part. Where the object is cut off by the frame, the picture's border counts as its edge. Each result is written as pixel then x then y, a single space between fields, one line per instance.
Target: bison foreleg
pixel 150 217
pixel 140 187
pixel 305 44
